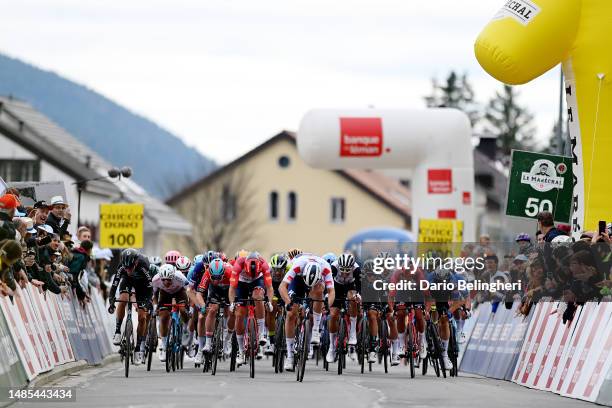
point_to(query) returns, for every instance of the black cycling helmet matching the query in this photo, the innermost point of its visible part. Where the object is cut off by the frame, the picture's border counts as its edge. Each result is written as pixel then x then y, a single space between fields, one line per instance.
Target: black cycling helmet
pixel 129 257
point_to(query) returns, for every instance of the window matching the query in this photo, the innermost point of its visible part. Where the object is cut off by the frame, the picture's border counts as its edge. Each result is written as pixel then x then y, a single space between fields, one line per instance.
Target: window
pixel 337 210
pixel 273 205
pixel 20 170
pixel 228 204
pixel 292 214
pixel 284 162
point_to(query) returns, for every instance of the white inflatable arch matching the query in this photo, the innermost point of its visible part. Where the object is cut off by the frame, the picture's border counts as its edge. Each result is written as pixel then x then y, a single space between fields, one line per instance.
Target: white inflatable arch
pixel 431 146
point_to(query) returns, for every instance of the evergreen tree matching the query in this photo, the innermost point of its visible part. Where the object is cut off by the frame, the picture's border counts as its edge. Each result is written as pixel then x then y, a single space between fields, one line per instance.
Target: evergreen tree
pixel 510 122
pixel 456 92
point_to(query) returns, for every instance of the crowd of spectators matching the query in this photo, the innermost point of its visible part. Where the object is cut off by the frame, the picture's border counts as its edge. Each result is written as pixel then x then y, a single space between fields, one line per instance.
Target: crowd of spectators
pixel 36 247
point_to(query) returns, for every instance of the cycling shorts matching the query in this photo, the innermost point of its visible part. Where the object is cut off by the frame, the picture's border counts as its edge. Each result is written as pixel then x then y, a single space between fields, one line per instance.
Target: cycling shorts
pixel 244 290
pixel 142 289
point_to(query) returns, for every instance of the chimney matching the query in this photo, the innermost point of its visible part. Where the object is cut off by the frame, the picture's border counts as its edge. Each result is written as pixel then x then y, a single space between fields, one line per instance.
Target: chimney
pixel 488 146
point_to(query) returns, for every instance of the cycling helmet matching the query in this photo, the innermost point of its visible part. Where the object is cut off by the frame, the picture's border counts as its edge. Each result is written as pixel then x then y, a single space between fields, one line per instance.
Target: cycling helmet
pixel 198 258
pixel 217 269
pixel 183 263
pixel 294 253
pixel 222 256
pixel 523 237
pixel 441 275
pixel 243 253
pixel 153 269
pixel 278 261
pixel 383 255
pixel 252 264
pixel 368 267
pixel 171 257
pixel 346 262
pixel 312 274
pixel 129 257
pixel 167 271
pixel 330 257
pixel 155 260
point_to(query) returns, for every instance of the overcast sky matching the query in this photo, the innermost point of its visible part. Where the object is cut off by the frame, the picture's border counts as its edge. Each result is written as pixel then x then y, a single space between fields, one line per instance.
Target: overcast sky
pixel 226 75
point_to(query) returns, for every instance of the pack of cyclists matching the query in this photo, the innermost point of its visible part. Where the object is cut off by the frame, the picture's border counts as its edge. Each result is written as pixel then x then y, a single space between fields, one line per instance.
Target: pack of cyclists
pixel 339 289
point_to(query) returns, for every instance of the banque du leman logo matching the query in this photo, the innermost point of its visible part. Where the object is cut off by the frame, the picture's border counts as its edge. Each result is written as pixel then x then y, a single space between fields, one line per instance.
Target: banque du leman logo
pixel 543 176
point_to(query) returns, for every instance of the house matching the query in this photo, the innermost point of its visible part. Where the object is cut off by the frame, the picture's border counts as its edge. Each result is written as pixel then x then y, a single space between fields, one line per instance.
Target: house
pixel 34 148
pixel 270 200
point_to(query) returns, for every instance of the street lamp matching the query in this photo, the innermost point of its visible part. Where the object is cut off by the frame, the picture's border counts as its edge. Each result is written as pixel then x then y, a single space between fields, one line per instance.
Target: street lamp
pixel 114 173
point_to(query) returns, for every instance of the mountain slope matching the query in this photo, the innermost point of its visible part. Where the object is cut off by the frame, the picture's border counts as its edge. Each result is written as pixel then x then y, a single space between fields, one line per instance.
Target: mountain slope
pixel 118 135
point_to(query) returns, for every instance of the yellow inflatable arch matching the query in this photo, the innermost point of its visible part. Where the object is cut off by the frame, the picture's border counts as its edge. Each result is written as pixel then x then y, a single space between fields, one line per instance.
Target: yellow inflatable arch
pixel 525 39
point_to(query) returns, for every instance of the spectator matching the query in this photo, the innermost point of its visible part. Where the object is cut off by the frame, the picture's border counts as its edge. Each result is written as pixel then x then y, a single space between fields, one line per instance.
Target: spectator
pixel 546 225
pixel 10 253
pixel 8 204
pixel 523 240
pixel 585 278
pixel 41 213
pixel 59 217
pixel 83 234
pixel 78 263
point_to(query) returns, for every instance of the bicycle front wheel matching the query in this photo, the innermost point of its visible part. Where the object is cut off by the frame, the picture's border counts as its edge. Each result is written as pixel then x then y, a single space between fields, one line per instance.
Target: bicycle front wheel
pixel 129 341
pixel 252 347
pixel 304 351
pixel 217 346
pixel 341 345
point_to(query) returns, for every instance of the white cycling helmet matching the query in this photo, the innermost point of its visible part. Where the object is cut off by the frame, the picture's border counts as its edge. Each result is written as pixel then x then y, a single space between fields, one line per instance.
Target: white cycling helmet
pixel 562 239
pixel 183 263
pixel 155 260
pixel 167 271
pixel 312 274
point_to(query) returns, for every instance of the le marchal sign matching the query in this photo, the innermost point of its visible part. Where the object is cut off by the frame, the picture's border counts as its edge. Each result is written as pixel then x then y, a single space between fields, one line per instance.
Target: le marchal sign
pixel 540 182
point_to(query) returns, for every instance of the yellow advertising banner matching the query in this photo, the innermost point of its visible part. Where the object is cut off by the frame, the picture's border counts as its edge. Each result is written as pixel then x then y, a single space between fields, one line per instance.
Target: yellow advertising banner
pixel 121 225
pixel 432 233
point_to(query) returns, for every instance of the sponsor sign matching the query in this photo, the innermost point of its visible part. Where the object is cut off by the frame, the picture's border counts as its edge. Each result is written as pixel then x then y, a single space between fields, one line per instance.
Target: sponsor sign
pixel 523 11
pixel 361 137
pixel 539 182
pixel 440 181
pixel 121 225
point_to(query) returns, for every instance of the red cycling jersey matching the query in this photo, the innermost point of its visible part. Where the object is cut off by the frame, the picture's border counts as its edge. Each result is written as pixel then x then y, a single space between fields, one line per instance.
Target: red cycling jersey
pixel 240 274
pixel 405 275
pixel 223 282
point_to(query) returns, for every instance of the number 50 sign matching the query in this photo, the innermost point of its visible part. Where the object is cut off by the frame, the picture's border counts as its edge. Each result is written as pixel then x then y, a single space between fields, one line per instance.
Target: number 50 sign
pixel 540 182
pixel 121 225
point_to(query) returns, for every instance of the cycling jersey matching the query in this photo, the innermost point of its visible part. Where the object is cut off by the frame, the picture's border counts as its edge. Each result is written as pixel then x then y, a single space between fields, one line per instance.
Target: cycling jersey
pixel 196 272
pixel 300 263
pixel 345 278
pixel 240 274
pixel 178 282
pixel 223 282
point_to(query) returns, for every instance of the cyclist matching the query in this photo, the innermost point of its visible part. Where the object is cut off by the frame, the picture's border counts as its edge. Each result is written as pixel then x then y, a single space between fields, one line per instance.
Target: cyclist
pixel 133 273
pixel 278 267
pixel 197 322
pixel 440 310
pixel 171 257
pixel 346 274
pixel 250 276
pixel 399 305
pixel 183 265
pixel 330 257
pixel 155 260
pixel 213 290
pixel 309 276
pixel 294 253
pixel 168 285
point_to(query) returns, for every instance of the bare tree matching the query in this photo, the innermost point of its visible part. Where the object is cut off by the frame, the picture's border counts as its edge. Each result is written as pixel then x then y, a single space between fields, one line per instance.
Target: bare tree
pixel 222 215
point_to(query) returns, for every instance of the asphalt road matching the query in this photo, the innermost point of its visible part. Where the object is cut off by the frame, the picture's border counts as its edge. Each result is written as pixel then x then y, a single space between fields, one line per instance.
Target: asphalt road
pixel 108 387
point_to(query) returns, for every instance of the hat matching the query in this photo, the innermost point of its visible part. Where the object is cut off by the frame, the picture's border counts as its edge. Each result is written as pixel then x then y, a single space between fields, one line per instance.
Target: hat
pixel 46 228
pixel 520 258
pixel 29 225
pixel 9 201
pixel 57 200
pixel 19 213
pixel 41 204
pixel 105 253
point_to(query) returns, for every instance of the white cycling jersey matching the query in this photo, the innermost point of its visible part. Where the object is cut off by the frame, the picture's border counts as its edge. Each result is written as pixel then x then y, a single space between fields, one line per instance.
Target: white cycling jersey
pixel 299 263
pixel 178 282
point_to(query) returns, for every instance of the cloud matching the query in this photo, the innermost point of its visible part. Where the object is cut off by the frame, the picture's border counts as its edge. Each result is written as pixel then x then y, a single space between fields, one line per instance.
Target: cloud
pixel 243 70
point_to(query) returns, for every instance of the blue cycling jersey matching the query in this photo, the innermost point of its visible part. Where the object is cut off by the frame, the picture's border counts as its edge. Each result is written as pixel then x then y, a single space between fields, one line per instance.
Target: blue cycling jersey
pixel 196 272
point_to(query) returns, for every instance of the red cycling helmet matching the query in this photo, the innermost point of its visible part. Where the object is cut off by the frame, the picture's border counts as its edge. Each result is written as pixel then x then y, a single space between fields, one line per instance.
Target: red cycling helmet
pixel 252 264
pixel 172 256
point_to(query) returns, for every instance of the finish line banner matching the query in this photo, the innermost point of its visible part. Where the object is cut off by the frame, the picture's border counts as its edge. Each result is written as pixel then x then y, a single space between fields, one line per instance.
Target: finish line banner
pixel 121 225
